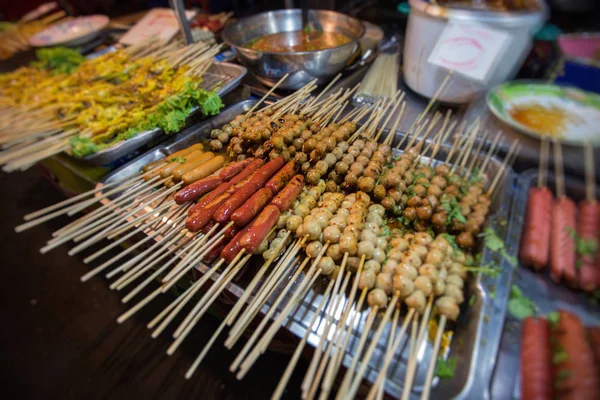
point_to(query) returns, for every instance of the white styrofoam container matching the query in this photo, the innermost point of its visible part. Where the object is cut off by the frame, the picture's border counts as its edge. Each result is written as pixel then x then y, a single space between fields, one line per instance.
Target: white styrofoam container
pixel 425 25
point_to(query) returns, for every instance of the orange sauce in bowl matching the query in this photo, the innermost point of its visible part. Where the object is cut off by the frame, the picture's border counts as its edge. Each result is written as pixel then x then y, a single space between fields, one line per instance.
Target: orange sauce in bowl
pixel 551 121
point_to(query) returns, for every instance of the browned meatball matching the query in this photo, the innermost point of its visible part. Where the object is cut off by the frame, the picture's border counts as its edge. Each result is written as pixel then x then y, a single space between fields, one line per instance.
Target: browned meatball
pixel 424 212
pixel 414 201
pixel 439 219
pixel 410 213
pixel 452 190
pixel 465 240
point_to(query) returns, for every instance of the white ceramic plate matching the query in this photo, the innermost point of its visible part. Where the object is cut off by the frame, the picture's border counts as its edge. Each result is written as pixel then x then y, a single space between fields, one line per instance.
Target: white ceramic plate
pixel 71 33
pixel 581 108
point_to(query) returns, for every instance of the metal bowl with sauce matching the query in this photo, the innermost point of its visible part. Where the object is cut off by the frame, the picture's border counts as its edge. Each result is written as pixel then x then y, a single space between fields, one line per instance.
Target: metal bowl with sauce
pixel 303 66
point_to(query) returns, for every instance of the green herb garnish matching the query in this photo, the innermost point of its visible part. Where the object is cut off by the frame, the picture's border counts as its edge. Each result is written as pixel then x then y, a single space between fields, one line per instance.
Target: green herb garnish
pixel 180 160
pixel 519 305
pixel 583 246
pixel 553 318
pixel 493 242
pixel 453 209
pixel 444 369
pixel 59 60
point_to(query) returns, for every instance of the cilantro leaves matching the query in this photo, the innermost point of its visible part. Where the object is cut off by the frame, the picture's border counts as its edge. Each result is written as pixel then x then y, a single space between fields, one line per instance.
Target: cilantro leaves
pixel 444 369
pixel 519 305
pixel 493 242
pixel 59 60
pixel 453 209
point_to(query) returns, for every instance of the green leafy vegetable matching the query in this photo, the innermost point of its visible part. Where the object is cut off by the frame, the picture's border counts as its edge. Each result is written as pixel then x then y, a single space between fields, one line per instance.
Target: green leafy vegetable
pixel 58 59
pixel 583 246
pixel 472 300
pixel 444 369
pixel 488 269
pixel 559 356
pixel 561 376
pixel 451 239
pixel 493 242
pixel 453 209
pixel 81 147
pixel 519 305
pixel 170 116
pixel 553 318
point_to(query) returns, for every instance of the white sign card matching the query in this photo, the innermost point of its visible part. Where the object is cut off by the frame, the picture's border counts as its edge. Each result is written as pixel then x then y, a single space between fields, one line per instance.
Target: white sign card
pixel 470 50
pixel 158 22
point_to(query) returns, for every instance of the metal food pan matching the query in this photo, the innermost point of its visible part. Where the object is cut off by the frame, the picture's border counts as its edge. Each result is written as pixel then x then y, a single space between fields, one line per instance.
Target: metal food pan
pixel 227 74
pixel 539 287
pixel 477 332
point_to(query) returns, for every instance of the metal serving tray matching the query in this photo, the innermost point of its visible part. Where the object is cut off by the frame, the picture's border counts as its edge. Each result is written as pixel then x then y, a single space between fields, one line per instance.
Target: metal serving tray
pixel 477 332
pixel 540 288
pixel 230 75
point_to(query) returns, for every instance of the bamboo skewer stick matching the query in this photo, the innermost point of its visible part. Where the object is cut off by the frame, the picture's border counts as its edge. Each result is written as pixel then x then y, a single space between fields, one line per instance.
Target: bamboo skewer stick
pixel 272 309
pixel 261 347
pixel 221 281
pixel 412 362
pixel 323 362
pixel 183 334
pixel 259 299
pixel 386 316
pixel 433 359
pixel 234 311
pixel 175 307
pixel 381 388
pixel 340 346
pixel 266 95
pixel 390 354
pixel 172 216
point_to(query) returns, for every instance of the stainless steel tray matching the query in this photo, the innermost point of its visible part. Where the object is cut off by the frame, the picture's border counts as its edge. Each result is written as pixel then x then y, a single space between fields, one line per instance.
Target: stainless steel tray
pixel 539 287
pixel 478 330
pixel 230 74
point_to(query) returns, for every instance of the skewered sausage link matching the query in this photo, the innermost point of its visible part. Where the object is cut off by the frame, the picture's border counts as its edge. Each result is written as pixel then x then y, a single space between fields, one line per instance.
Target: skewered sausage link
pixel 225 187
pixel 259 229
pixel 250 209
pixel 288 195
pixel 201 218
pixel 190 165
pixel 197 189
pixel 589 230
pixel 234 169
pixel 257 181
pixel 232 249
pixel 281 178
pixel 535 243
pixel 536 360
pixel 562 250
pixel 203 170
pixel 207 212
pixel 576 375
pixel 172 157
pixel 594 338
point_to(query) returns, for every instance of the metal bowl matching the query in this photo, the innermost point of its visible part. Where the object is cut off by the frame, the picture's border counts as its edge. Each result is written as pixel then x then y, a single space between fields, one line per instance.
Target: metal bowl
pixel 269 67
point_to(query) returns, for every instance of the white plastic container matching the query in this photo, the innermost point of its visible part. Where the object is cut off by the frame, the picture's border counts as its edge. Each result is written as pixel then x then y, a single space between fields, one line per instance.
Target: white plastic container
pixel 425 25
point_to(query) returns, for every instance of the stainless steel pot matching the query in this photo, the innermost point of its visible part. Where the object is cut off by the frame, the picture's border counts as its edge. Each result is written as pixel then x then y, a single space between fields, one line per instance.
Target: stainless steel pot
pixel 269 67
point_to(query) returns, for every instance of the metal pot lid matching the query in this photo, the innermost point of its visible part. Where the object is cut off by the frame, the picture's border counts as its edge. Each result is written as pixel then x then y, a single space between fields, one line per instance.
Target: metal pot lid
pixel 502 18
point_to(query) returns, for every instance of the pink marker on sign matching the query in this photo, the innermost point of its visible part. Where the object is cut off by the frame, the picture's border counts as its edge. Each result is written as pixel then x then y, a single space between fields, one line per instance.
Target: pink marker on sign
pixel 469 50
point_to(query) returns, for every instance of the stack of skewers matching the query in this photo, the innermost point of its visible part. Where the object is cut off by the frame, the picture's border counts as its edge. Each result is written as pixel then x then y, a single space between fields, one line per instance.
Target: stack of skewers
pixel 321 200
